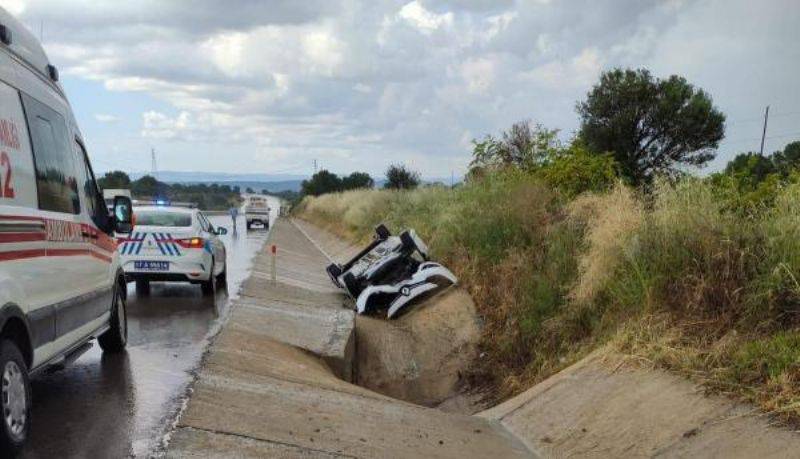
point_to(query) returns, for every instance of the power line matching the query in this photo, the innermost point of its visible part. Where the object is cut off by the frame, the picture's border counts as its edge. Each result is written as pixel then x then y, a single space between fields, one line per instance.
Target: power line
pixel 755 139
pixel 760 118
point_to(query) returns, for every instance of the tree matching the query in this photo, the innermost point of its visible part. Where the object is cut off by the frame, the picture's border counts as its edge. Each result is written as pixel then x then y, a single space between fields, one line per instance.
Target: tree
pixel 750 168
pixel 787 160
pixel 399 177
pixel 320 183
pixel 651 126
pixel 249 190
pixel 524 145
pixel 114 180
pixel 148 186
pixel 357 180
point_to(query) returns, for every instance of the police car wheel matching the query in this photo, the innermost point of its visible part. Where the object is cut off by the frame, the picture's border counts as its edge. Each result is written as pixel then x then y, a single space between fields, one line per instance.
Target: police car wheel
pixel 15 400
pixel 142 287
pixel 116 337
pixel 209 287
pixel 222 278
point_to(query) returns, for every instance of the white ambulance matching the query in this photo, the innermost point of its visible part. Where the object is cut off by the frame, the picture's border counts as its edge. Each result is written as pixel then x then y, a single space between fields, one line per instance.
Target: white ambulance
pixel 61 284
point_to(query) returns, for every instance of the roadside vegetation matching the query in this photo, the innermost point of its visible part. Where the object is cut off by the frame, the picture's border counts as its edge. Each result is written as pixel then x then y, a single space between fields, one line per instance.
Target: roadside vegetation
pixel 207 197
pixel 609 241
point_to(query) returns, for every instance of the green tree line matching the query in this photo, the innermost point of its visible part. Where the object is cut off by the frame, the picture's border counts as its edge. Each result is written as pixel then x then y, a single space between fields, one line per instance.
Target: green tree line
pixel 206 196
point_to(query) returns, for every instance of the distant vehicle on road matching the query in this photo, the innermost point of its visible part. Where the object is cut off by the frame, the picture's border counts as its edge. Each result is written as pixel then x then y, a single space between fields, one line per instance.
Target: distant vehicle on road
pixel 256 210
pixel 61 283
pixel 174 244
pixel 109 195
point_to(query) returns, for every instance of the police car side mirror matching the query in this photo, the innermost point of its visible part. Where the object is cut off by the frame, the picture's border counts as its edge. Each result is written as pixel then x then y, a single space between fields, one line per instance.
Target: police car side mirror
pixel 123 214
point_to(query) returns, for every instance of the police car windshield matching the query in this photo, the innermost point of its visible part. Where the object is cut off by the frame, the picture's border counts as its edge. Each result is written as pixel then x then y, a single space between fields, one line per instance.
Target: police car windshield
pixel 163 218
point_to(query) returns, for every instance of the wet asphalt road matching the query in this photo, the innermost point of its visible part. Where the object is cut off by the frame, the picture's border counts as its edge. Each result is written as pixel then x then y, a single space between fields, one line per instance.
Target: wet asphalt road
pixel 122 405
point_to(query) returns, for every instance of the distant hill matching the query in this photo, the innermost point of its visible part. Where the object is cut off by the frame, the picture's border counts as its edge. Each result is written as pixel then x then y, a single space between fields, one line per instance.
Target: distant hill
pixel 258 182
pixel 272 182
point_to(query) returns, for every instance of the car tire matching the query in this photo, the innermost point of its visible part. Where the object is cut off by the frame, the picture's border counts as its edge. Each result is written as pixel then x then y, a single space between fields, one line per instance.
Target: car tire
pixel 115 338
pixel 222 278
pixel 408 242
pixel 209 287
pixel 142 287
pixel 15 400
pixel 382 231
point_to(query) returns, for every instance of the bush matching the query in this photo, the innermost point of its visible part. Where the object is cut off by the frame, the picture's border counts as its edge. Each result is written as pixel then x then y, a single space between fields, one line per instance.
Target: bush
pixel 577 171
pixel 677 276
pixel 399 177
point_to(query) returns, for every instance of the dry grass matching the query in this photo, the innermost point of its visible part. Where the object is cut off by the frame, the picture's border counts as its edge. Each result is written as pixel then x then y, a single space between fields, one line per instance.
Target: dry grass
pixel 682 282
pixel 611 220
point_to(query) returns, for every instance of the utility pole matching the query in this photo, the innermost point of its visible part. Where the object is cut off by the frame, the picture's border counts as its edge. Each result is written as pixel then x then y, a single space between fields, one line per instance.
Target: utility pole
pixel 452 178
pixel 153 165
pixel 315 167
pixel 764 132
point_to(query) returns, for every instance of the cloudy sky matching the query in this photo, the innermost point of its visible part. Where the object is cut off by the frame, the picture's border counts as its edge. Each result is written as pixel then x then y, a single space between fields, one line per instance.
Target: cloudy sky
pixel 268 86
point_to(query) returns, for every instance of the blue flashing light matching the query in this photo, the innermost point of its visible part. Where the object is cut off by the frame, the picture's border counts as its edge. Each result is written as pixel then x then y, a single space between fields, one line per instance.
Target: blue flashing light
pixel 161 202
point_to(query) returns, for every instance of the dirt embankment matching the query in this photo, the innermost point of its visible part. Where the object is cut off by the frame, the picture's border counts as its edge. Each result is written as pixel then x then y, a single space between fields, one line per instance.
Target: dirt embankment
pixel 602 406
pixel 423 356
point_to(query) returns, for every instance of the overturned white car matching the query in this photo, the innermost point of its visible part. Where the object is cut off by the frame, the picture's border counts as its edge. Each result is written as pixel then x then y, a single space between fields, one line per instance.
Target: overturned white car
pixel 391 272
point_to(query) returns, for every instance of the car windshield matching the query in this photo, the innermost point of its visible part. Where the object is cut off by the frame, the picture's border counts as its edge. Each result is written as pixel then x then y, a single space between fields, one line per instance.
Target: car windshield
pixel 163 218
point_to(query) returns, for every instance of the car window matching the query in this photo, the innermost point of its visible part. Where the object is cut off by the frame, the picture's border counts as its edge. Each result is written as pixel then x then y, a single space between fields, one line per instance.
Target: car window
pixel 163 218
pixel 92 198
pixel 55 162
pixel 203 222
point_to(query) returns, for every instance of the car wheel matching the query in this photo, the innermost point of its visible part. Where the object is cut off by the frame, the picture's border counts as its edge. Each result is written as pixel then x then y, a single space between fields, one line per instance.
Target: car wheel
pixel 15 400
pixel 142 287
pixel 382 231
pixel 222 278
pixel 116 337
pixel 209 287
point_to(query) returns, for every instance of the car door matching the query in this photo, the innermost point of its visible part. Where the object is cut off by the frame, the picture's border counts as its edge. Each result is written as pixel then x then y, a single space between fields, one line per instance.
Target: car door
pixel 217 247
pixel 69 266
pixel 96 229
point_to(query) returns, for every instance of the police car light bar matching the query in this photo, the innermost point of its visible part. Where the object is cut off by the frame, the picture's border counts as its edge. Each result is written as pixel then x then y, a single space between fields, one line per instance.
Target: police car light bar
pixel 164 203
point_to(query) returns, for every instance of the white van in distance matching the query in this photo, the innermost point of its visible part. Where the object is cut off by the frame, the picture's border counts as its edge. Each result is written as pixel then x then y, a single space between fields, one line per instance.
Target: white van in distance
pixel 61 284
pixel 256 210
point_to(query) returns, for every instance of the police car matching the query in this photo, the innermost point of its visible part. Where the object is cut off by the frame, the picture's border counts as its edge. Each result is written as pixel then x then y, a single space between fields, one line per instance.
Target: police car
pixel 61 283
pixel 173 243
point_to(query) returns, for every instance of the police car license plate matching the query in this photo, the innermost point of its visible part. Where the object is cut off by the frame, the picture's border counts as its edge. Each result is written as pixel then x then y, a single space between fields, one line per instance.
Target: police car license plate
pixel 151 265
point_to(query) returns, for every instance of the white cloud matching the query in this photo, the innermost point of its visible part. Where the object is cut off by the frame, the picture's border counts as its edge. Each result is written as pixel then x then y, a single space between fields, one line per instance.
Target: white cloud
pixel 359 84
pixel 426 21
pixel 106 118
pixel 579 71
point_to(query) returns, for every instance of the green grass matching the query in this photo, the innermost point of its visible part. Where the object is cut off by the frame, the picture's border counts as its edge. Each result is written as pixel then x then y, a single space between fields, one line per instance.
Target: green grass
pixel 679 278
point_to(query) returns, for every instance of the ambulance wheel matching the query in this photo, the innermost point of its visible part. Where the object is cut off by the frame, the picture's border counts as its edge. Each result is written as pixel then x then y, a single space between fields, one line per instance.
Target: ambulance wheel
pixel 16 399
pixel 116 337
pixel 143 287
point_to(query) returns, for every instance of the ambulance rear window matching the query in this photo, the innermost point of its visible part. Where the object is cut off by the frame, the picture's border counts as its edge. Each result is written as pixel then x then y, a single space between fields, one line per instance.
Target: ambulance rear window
pixel 163 218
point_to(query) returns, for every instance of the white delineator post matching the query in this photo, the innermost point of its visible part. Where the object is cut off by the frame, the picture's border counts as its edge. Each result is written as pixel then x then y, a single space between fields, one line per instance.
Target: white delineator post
pixel 274 250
